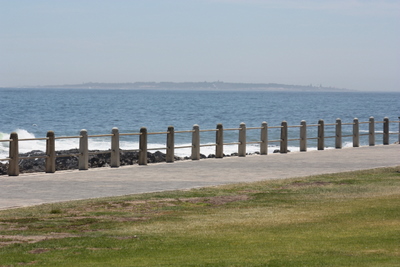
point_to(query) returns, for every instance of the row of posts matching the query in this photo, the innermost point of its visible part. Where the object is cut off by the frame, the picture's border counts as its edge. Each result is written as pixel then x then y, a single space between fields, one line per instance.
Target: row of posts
pixel 13 169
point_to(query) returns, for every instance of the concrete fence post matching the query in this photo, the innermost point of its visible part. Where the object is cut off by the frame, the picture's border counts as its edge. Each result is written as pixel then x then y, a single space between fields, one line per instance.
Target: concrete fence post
pixel 338 139
pixel 242 140
pixel 13 168
pixel 143 146
pixel 264 139
pixel 219 149
pixel 303 136
pixel 115 157
pixel 386 131
pixel 356 133
pixel 284 137
pixel 196 142
pixel 321 135
pixel 83 151
pixel 170 157
pixel 371 126
pixel 50 152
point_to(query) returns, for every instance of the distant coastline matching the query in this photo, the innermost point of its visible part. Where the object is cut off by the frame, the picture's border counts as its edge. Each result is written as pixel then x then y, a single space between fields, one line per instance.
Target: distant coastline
pixel 209 86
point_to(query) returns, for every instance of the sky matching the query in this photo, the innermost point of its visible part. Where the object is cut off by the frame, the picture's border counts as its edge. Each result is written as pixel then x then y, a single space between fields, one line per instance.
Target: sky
pixel 349 44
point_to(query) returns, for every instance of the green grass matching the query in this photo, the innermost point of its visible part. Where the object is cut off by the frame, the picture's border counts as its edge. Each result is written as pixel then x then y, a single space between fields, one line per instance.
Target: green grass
pixel 347 219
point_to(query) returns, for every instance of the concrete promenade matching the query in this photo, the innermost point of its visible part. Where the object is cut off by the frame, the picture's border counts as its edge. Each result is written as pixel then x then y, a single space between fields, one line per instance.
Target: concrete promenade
pixel 37 188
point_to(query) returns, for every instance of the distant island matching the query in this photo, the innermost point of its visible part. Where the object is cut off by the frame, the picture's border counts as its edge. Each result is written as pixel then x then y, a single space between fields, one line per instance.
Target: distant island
pixel 210 86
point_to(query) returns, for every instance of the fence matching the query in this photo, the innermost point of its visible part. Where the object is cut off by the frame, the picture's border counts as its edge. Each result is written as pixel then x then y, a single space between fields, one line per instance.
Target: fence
pixel 83 155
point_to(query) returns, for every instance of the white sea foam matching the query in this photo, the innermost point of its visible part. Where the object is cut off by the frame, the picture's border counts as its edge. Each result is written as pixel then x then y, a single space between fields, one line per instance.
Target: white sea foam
pixel 347 144
pixel 24 146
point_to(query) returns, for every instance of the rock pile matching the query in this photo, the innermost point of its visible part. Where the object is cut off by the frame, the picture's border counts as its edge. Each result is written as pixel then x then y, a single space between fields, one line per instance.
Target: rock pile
pixel 71 162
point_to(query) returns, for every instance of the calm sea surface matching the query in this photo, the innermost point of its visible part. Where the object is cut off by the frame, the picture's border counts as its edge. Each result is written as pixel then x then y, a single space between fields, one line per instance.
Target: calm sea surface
pixel 33 112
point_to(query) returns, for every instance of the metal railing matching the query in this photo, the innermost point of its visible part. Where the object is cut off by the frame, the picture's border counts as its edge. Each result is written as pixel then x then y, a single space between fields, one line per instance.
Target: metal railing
pixel 83 155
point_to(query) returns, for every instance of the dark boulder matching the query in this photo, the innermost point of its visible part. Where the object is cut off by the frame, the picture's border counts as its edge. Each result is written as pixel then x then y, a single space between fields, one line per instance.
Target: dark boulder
pixel 278 151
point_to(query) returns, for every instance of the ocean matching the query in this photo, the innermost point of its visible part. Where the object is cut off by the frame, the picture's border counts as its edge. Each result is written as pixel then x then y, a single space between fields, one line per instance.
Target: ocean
pixel 33 112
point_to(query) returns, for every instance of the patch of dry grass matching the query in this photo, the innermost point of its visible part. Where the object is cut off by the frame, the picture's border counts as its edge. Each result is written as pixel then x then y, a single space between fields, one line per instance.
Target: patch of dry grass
pixel 347 219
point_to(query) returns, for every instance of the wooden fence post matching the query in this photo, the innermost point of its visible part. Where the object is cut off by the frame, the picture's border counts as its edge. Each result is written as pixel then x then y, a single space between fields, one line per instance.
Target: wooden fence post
pixel 219 149
pixel 264 139
pixel 50 152
pixel 13 168
pixel 242 140
pixel 170 157
pixel 83 151
pixel 356 133
pixel 303 136
pixel 399 129
pixel 115 157
pixel 386 131
pixel 371 127
pixel 143 146
pixel 284 137
pixel 338 139
pixel 321 135
pixel 195 142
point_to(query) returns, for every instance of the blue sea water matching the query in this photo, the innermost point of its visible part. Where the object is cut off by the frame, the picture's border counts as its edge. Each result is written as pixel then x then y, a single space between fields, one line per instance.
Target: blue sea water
pixel 33 112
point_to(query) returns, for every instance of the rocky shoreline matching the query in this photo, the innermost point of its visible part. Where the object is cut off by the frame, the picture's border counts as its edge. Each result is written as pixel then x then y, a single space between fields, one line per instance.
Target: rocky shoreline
pixel 95 160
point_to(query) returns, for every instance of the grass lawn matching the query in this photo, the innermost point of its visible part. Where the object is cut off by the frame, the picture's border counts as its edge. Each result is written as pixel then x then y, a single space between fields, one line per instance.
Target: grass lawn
pixel 347 219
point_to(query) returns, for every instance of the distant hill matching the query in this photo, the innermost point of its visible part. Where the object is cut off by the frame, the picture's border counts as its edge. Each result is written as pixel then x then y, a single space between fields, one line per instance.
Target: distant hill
pixel 214 86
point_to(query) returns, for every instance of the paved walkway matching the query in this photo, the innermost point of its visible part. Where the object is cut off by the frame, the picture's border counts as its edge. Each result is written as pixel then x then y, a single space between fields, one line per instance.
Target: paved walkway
pixel 37 188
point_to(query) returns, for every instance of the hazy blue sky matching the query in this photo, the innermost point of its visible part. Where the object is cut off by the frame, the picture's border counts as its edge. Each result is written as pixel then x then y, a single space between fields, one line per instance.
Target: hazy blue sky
pixel 345 44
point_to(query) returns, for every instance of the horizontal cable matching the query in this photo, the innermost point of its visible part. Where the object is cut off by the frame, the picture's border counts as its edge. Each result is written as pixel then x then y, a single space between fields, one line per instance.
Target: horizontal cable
pixel 67 137
pixel 183 146
pixel 100 135
pixel 313 138
pixel 208 145
pixel 210 130
pixel 255 128
pixel 294 139
pixel 188 131
pixel 312 125
pixel 33 139
pixel 254 142
pixel 233 129
pixel 295 126
pixel 348 123
pixel 5 159
pixel 364 134
pixel 157 148
pixel 130 134
pixel 331 124
pixel 365 122
pixel 348 135
pixel 234 143
pixel 6 140
pixel 272 141
pixel 330 136
pixel 158 133
pixel 272 127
